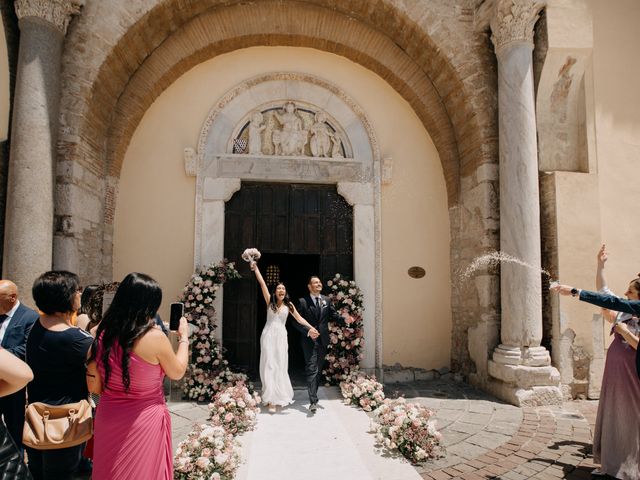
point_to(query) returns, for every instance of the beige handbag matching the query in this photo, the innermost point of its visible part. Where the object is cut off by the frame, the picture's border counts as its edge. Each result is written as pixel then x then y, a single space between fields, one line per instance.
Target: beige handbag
pixel 51 427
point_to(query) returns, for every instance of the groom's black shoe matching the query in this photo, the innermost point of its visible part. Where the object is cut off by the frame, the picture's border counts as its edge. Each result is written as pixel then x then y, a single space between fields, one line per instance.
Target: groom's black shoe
pixel 313 407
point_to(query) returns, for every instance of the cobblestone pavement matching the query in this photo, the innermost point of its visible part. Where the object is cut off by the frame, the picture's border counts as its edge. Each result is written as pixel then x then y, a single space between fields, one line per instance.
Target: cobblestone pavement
pixel 484 437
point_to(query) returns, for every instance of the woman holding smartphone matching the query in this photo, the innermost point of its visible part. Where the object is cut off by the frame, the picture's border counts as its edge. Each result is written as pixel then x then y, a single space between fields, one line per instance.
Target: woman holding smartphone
pixel 130 358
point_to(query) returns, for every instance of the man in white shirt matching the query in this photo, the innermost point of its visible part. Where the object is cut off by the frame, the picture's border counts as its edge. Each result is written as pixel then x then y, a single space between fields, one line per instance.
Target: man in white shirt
pixel 16 321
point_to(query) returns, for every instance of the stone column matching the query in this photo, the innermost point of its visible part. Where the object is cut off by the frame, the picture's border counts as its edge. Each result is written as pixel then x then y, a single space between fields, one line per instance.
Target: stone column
pixel 520 364
pixel 28 241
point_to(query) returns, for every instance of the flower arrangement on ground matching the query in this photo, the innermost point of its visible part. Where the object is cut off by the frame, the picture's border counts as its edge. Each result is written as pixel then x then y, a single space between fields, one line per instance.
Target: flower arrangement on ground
pixel 209 452
pixel 345 342
pixel 207 371
pixel 235 408
pixel 408 428
pixel 363 391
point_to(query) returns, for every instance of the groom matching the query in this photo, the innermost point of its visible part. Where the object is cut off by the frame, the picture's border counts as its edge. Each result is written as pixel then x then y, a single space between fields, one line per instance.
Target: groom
pixel 316 309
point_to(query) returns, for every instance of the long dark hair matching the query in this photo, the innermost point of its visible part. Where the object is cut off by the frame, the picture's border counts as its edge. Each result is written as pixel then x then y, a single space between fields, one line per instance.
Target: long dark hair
pixel 129 316
pixel 89 304
pixel 272 299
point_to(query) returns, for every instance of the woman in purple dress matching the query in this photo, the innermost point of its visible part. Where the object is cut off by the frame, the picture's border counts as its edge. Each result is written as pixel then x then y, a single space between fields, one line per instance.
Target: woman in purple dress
pixel 616 439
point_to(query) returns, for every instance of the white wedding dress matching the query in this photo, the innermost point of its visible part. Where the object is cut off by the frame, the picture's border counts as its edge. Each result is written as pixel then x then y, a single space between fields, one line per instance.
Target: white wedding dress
pixel 274 359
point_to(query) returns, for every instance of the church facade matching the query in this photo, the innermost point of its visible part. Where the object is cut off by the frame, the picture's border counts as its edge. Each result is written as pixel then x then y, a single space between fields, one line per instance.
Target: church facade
pixel 398 143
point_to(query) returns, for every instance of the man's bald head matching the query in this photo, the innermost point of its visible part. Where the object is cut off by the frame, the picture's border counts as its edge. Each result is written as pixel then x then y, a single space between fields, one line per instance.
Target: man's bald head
pixel 8 296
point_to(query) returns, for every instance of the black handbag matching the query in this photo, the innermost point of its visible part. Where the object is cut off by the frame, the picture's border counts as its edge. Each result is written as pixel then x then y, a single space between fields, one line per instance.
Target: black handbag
pixel 12 466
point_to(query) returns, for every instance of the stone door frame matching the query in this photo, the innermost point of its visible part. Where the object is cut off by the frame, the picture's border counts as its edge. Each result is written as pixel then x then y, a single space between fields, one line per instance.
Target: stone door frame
pixel 219 175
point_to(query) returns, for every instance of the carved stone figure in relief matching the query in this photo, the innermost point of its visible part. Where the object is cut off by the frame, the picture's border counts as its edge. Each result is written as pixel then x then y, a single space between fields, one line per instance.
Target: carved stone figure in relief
pixel 336 151
pixel 292 138
pixel 321 137
pixel 256 127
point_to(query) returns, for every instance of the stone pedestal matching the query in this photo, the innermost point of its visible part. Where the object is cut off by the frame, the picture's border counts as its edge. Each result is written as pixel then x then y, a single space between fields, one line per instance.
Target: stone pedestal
pixel 28 241
pixel 521 367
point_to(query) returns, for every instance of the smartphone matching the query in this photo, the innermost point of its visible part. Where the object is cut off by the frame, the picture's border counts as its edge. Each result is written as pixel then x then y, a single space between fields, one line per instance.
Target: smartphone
pixel 177 311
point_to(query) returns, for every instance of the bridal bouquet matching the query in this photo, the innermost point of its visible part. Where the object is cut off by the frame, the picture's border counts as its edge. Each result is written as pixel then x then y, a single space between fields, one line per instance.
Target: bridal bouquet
pixel 362 390
pixel 235 409
pixel 408 428
pixel 251 255
pixel 208 452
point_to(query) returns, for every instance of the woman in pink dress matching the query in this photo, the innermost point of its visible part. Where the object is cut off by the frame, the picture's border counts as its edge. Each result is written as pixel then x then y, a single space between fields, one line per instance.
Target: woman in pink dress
pixel 130 359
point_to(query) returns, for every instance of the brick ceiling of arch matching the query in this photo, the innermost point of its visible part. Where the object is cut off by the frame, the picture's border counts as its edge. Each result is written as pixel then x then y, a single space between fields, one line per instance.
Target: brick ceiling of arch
pixel 167 41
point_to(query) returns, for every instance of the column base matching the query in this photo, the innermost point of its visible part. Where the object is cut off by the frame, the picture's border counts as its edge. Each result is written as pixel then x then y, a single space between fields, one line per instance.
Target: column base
pixel 525 397
pixel 525 386
pixel 529 356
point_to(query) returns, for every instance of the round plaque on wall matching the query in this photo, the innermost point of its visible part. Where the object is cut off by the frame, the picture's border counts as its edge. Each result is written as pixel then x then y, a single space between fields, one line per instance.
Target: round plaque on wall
pixel 416 272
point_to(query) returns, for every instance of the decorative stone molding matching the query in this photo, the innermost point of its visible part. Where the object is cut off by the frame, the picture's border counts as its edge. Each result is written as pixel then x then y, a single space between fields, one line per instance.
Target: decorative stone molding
pixel 356 193
pixel 513 21
pixel 190 162
pixel 221 189
pixel 335 103
pixel 387 171
pixel 56 12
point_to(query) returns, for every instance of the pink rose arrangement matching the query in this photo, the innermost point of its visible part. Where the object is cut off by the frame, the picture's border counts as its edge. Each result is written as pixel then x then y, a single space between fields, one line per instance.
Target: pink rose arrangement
pixel 209 452
pixel 235 408
pixel 363 391
pixel 345 342
pixel 208 371
pixel 407 428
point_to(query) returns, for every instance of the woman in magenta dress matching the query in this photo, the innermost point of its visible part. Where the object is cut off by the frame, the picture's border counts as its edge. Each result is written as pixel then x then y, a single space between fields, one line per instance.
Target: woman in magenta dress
pixel 130 359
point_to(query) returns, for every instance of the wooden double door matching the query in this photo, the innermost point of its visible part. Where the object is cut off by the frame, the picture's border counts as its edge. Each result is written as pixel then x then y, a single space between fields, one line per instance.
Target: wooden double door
pixel 301 230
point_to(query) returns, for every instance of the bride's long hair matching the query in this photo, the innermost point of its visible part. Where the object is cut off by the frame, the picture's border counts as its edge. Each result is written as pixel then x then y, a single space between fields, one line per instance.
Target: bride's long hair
pixel 272 299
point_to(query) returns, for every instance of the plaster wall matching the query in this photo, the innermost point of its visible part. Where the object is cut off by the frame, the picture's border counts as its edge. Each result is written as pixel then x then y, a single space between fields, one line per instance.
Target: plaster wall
pixel 617 96
pixel 154 218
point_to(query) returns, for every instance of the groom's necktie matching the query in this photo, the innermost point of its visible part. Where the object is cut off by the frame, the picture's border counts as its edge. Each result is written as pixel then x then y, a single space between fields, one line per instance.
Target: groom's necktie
pixel 318 303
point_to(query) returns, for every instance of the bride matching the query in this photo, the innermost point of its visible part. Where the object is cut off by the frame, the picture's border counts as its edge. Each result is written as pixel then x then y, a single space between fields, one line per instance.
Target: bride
pixel 274 348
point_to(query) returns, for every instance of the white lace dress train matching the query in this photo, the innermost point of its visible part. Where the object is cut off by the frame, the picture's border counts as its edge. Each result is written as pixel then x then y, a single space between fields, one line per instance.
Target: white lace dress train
pixel 274 359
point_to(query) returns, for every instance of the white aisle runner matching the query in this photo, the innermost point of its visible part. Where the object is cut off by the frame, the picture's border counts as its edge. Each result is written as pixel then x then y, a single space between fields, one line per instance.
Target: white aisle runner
pixel 335 444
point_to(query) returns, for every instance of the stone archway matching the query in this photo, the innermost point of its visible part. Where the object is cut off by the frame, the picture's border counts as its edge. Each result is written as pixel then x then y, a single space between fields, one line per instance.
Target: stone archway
pixel 220 171
pixel 120 57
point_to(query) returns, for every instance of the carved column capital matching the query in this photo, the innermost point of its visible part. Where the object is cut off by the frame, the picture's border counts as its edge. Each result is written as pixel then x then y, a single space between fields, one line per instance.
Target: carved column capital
pixel 513 21
pixel 57 12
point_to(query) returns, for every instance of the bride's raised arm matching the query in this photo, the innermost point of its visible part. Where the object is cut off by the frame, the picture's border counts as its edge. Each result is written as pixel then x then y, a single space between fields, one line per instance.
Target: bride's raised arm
pixel 263 285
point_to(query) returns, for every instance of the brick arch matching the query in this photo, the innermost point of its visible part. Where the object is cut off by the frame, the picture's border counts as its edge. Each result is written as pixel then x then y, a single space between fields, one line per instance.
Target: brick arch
pixel 121 55
pixel 377 35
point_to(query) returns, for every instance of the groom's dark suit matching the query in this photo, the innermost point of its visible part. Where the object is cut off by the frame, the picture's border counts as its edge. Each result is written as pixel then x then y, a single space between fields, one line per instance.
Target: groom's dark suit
pixel 14 341
pixel 314 351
